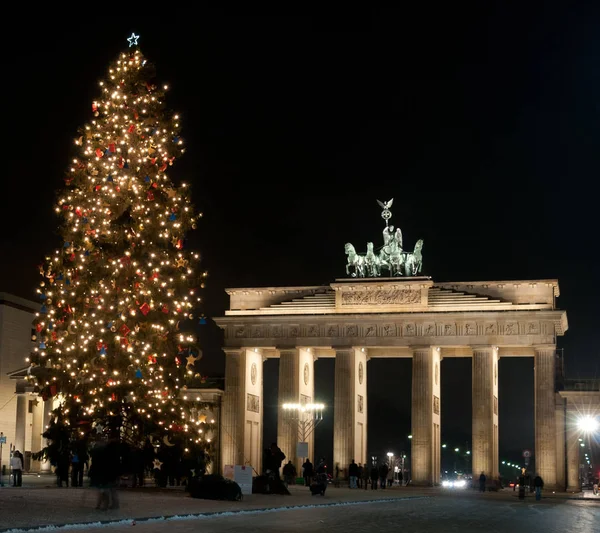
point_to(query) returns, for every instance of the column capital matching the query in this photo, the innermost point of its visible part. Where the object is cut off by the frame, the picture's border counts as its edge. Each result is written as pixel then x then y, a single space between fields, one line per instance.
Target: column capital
pixel 420 349
pixel 544 348
pixel 232 351
pixel 483 348
pixel 344 349
pixel 287 351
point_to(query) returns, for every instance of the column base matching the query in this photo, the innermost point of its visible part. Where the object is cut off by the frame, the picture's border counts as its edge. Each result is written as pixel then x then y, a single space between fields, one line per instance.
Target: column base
pixel 574 489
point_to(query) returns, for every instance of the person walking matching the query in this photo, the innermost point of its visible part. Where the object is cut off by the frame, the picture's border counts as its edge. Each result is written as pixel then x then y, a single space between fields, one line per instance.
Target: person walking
pixel 16 464
pixel 307 472
pixel 390 476
pixel 538 484
pixel 482 480
pixel 353 473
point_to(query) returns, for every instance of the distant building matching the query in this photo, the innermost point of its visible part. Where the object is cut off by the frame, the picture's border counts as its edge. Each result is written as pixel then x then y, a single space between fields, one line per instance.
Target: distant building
pixel 21 411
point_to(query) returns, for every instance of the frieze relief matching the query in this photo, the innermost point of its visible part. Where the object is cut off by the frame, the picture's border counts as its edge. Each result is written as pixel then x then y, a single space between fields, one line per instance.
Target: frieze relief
pixel 409 330
pixel 491 328
pixel 388 330
pixel 370 331
pixel 381 297
pixel 399 329
pixel 333 331
pixel 312 331
pixel 352 330
pixel 449 329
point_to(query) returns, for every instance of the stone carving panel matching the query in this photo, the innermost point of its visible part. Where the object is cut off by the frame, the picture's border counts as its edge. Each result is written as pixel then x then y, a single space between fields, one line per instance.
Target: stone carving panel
pixel 449 329
pixel 491 328
pixel 436 405
pixel 470 328
pixel 239 331
pixel 257 331
pixel 360 403
pixel 533 328
pixel 389 330
pixel 333 331
pixel 511 328
pixel 253 373
pixel 312 331
pixel 294 331
pixel 252 403
pixel 370 331
pixel 409 330
pixel 429 329
pixel 382 297
pixel 276 331
pixel 351 330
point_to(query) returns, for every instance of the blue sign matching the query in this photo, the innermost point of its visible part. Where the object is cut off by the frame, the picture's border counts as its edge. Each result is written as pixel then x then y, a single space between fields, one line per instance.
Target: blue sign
pixel 3 440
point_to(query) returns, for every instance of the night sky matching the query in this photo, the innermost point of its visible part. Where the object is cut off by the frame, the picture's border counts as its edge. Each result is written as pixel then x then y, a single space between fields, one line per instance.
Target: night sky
pixel 482 124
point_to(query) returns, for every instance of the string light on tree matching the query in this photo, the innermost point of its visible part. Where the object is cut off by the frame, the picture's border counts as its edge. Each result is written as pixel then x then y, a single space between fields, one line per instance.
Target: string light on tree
pixel 118 291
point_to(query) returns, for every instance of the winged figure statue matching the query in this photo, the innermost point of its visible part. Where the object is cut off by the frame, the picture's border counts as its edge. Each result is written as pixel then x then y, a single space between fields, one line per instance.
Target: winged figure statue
pixel 385 205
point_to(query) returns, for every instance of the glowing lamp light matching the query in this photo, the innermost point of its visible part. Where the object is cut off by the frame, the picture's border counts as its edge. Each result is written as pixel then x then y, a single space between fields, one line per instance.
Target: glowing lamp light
pixel 588 424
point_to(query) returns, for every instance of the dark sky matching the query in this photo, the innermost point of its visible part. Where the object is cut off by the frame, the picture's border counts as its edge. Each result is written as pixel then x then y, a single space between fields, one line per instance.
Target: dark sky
pixel 483 124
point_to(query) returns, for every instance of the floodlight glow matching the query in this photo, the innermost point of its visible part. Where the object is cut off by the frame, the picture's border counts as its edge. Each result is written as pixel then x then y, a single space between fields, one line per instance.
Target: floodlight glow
pixel 588 424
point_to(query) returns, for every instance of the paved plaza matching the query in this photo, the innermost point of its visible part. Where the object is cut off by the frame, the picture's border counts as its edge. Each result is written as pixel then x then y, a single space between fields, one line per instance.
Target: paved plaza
pixel 38 503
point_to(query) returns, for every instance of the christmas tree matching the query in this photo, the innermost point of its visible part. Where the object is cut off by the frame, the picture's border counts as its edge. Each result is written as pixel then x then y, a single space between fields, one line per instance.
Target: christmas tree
pixel 111 341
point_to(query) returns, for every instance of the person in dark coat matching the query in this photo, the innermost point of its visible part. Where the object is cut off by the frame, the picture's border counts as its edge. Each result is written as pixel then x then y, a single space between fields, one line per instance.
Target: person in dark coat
pixel 538 483
pixel 383 472
pixel 374 477
pixel 307 472
pixel 289 474
pixel 353 473
pixel 277 457
pixel 360 475
pixel 482 480
pixel 104 473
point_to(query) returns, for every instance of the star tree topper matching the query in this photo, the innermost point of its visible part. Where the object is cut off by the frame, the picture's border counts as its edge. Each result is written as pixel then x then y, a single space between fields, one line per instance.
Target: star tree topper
pixel 133 40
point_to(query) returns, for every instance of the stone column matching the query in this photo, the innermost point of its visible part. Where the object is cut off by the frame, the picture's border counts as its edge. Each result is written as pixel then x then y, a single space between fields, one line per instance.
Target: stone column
pixel 36 431
pixel 46 416
pixel 559 413
pixel 21 423
pixel 296 385
pixel 484 451
pixel 425 416
pixel 545 418
pixel 573 450
pixel 350 408
pixel 241 435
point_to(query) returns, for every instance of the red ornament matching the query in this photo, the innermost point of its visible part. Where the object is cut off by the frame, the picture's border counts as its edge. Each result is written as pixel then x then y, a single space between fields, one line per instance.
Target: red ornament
pixel 94 107
pixel 72 257
pixel 163 167
pixel 124 330
pixel 145 308
pixel 97 188
pixel 150 195
pixel 54 336
pixel 135 114
pixel 179 244
pixel 38 328
pixel 78 212
pixel 124 341
pixel 112 148
pixel 154 185
pixel 153 276
pixel 113 397
pixel 121 162
pixel 99 153
pixel 165 309
pixel 53 390
pixel 153 160
pixel 131 128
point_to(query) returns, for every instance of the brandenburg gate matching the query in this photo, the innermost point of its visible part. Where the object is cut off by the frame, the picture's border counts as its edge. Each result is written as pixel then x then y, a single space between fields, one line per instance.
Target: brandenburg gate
pixel 384 309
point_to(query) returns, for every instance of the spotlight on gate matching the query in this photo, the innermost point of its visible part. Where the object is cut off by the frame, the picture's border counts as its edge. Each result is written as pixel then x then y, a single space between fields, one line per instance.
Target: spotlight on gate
pixel 588 424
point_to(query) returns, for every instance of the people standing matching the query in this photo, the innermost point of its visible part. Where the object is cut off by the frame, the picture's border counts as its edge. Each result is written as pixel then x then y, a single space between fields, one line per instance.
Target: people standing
pixel 289 474
pixel 538 483
pixel 383 472
pixel 365 475
pixel 16 464
pixel 353 473
pixel 307 472
pixel 360 475
pixel 374 477
pixel 76 470
pixel 390 475
pixel 482 480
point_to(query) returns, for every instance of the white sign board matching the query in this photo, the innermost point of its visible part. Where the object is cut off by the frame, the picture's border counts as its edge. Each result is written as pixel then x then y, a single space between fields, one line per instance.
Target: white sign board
pixel 302 449
pixel 243 477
